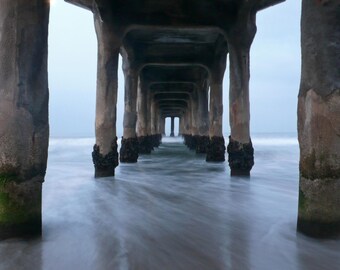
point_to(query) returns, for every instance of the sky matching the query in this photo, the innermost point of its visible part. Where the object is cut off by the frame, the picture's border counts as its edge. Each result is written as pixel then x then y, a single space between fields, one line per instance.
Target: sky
pixel 275 66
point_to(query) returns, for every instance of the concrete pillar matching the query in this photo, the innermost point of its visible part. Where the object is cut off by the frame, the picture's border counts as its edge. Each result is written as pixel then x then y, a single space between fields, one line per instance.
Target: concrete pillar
pixel 180 128
pixel 172 133
pixel 149 102
pixel 158 137
pixel 188 138
pixel 194 120
pixel 319 120
pixel 185 123
pixel 240 148
pixel 141 110
pixel 202 140
pixel 163 126
pixel 129 149
pixel 24 128
pixel 216 147
pixel 144 138
pixel 105 154
pixel 184 126
pixel 186 119
pixel 153 117
pixel 154 113
pixel 189 119
pixel 159 123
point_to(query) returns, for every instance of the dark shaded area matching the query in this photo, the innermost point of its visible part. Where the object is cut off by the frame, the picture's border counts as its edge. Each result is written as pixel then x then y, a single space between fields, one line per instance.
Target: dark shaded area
pixel 190 141
pixel 145 144
pixel 156 140
pixel 105 165
pixel 202 143
pixel 28 230
pixel 241 157
pixel 216 150
pixel 319 229
pixel 129 150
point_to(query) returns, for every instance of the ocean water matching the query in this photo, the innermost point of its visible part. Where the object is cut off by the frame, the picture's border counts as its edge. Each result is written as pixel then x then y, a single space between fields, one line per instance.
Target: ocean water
pixel 171 210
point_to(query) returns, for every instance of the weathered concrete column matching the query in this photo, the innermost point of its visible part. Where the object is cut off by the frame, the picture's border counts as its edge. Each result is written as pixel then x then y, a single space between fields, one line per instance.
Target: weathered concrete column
pixel 188 138
pixel 149 111
pixel 180 128
pixel 172 132
pixel 144 138
pixel 153 117
pixel 129 149
pixel 105 154
pixel 153 121
pixel 155 137
pixel 194 119
pixel 187 122
pixel 163 126
pixel 202 140
pixel 216 147
pixel 319 120
pixel 184 124
pixel 240 148
pixel 159 129
pixel 24 128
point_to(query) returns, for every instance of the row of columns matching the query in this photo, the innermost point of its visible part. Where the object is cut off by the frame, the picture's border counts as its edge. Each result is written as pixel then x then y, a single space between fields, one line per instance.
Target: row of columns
pixel 202 129
pixel 142 133
pixel 206 135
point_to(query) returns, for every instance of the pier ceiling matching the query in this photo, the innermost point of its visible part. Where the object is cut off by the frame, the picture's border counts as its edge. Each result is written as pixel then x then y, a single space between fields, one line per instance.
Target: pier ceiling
pixel 154 45
pixel 124 13
pixel 187 74
pixel 172 87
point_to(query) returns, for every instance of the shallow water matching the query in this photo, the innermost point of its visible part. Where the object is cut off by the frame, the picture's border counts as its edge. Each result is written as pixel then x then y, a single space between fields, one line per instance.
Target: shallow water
pixel 171 210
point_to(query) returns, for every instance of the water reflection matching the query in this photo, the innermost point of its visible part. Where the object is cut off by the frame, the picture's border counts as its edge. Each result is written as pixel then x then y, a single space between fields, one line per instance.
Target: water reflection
pixel 171 210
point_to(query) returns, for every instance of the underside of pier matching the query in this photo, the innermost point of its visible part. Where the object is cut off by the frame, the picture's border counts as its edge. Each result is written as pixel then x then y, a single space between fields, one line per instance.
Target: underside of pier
pixel 174 60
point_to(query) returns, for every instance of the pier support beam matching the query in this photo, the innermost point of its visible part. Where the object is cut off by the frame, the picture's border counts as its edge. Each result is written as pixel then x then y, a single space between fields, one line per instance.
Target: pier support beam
pixel 162 126
pixel 172 132
pixel 240 148
pixel 202 140
pixel 129 149
pixel 194 119
pixel 155 136
pixel 24 128
pixel 180 128
pixel 145 143
pixel 188 138
pixel 216 147
pixel 105 154
pixel 158 136
pixel 319 120
pixel 187 127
